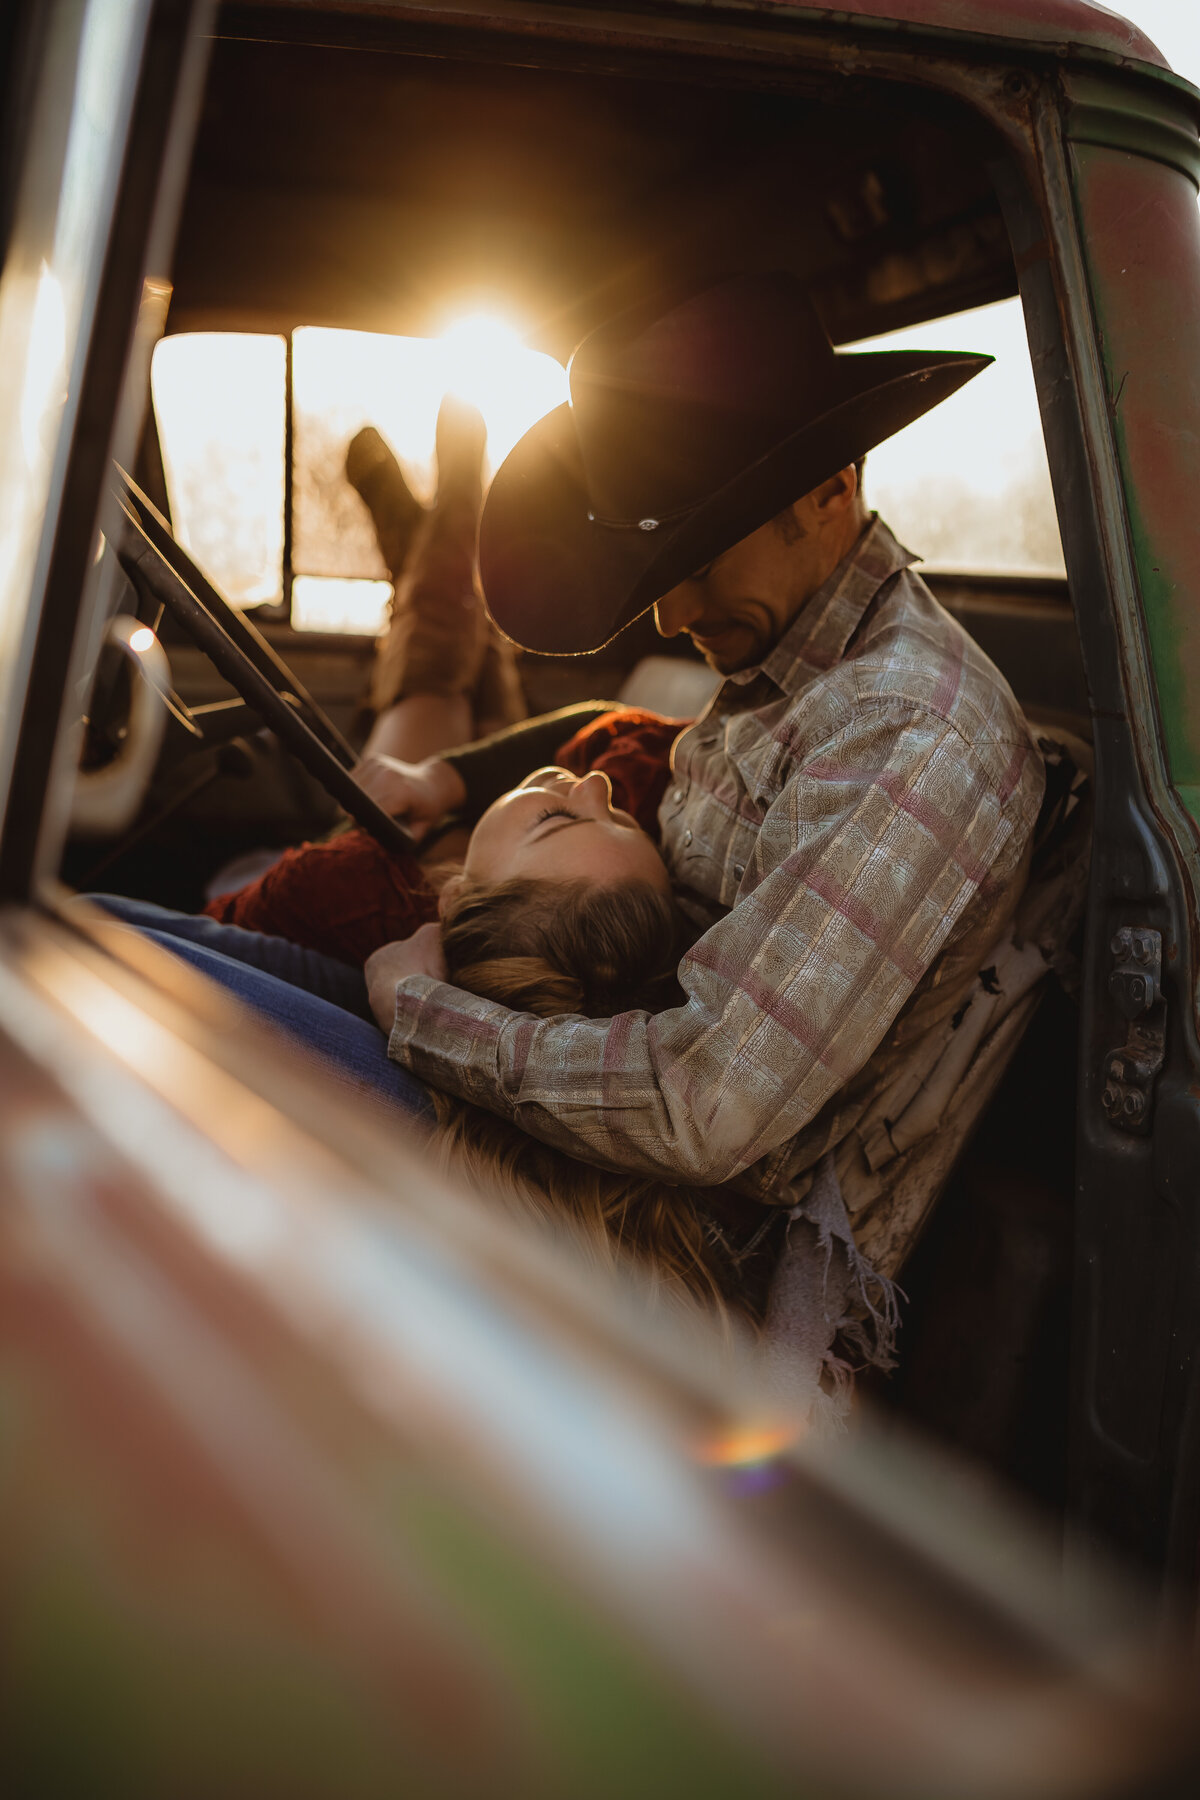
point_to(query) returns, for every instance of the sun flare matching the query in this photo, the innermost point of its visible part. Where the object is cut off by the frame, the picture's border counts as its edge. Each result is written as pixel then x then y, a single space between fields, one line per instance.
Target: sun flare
pixel 485 361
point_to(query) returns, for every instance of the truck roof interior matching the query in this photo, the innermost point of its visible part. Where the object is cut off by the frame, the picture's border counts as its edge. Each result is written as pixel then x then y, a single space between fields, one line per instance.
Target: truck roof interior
pixel 360 187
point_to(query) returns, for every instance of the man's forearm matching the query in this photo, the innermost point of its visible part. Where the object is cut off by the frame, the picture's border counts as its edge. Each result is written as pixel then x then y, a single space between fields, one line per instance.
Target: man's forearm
pixel 472 1048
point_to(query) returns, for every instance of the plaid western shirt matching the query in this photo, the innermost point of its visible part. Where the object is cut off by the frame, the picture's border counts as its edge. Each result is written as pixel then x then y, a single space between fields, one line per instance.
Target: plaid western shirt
pixel 849 825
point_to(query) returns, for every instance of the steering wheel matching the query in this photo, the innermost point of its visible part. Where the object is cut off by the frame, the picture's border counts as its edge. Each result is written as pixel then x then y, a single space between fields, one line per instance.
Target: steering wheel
pixel 152 558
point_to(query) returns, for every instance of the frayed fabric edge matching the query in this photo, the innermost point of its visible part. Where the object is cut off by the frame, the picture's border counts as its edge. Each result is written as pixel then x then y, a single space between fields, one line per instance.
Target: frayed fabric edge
pixel 825 1292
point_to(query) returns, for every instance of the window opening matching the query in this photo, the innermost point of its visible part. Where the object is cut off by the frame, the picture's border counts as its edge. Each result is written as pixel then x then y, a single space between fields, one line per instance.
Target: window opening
pixel 254 433
pixel 343 380
pixel 968 485
pixel 220 401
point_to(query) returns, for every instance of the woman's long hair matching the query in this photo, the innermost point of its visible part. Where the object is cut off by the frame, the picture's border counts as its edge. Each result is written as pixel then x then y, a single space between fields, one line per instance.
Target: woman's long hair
pixel 552 948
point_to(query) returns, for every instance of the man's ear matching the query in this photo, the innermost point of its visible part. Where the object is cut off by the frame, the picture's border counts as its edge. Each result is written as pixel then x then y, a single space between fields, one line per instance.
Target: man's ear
pixel 838 493
pixel 450 893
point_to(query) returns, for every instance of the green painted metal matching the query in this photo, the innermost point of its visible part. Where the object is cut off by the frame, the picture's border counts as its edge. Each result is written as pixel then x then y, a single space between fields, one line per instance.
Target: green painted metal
pixel 1140 229
pixel 607 1721
pixel 1126 115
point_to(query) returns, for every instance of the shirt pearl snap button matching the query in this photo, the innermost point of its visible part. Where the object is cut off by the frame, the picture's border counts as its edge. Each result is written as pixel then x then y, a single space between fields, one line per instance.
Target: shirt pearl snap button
pixel 687 837
pixel 677 796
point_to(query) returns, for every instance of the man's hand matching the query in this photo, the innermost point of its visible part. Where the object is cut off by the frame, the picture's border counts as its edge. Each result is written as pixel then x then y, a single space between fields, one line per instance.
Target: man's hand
pixel 418 794
pixel 420 954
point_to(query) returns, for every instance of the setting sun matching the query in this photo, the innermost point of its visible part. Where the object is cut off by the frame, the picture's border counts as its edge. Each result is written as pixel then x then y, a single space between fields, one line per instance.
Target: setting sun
pixel 347 379
pixel 486 362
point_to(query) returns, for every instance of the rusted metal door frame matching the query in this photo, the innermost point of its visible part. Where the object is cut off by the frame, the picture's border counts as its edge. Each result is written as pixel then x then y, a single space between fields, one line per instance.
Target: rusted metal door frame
pixel 1135 1454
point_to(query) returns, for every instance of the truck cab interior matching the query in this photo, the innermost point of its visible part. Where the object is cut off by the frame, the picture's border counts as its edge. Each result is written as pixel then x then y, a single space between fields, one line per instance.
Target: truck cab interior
pixel 324 216
pixel 352 187
pixel 360 181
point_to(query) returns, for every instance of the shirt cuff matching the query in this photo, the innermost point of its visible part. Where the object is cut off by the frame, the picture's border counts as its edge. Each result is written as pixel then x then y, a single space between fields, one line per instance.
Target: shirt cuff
pixel 450 1039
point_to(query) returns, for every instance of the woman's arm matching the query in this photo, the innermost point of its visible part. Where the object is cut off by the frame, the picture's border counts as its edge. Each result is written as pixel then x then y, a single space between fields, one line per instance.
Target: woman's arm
pixel 466 780
pixel 492 765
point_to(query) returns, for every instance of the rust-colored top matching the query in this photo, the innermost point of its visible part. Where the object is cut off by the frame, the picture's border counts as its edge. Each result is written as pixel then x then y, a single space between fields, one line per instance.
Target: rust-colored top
pixel 1050 22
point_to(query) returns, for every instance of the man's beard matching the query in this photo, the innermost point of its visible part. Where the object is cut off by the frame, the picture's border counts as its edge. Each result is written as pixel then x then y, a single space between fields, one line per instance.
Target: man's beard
pixel 726 665
pixel 749 642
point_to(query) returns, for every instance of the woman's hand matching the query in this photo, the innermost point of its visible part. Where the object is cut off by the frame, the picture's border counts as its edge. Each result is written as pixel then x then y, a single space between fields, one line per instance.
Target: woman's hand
pixel 420 954
pixel 418 794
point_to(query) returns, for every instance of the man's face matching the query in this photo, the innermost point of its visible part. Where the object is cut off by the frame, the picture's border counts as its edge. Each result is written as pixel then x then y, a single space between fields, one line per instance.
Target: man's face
pixel 738 607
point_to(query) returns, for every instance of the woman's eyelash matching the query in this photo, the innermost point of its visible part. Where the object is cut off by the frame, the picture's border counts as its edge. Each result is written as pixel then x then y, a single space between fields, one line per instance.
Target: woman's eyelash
pixel 553 812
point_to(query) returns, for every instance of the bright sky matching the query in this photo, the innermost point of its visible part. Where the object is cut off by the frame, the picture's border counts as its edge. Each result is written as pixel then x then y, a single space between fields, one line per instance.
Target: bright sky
pixel 968 485
pixel 1174 25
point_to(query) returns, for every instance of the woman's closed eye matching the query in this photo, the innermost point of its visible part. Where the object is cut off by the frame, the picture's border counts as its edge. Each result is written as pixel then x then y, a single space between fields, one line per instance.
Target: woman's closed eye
pixel 556 815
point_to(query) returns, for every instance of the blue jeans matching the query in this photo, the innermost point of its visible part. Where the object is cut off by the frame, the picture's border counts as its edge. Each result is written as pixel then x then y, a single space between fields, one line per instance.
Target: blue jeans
pixel 320 1001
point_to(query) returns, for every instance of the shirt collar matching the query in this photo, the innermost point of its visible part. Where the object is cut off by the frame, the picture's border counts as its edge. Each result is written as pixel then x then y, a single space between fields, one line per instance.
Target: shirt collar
pixel 817 637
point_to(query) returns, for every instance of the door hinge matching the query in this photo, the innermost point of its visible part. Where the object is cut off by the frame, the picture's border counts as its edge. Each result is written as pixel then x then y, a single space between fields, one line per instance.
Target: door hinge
pixel 1136 986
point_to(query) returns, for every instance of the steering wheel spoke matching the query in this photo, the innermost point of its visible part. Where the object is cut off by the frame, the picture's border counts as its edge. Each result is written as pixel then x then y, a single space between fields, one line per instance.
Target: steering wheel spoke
pixel 238 651
pixel 220 721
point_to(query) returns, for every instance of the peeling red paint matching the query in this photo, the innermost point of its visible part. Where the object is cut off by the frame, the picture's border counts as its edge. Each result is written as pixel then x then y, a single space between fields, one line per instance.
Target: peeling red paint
pixel 1074 22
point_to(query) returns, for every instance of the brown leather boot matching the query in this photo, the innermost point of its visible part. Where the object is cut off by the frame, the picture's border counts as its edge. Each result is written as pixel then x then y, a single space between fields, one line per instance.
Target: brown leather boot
pixel 438 632
pixel 497 698
pixel 377 479
pixel 439 639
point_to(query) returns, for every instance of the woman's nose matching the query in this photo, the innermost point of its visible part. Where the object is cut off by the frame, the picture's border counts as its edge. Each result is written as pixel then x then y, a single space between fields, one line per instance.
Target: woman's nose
pixel 593 793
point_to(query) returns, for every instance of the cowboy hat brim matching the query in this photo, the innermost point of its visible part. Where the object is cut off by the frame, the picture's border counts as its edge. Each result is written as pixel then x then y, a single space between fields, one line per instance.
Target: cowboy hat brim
pixel 560 582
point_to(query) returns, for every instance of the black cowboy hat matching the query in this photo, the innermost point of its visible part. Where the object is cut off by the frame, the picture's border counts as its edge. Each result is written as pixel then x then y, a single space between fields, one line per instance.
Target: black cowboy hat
pixel 687 429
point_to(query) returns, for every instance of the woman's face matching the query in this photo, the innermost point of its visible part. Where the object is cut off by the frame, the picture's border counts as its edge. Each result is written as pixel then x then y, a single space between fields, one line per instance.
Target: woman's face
pixel 561 827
